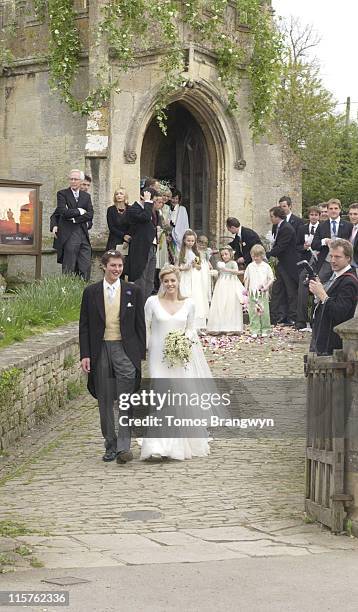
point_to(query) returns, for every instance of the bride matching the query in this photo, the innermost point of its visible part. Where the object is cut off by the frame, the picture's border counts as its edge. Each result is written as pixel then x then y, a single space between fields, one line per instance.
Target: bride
pixel 164 313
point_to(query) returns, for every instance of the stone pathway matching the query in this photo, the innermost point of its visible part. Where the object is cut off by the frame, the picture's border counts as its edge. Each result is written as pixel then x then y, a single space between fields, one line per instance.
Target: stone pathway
pixel 245 499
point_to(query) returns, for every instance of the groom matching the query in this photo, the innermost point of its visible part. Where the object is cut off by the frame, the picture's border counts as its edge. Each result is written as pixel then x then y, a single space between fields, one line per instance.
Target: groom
pixel 112 345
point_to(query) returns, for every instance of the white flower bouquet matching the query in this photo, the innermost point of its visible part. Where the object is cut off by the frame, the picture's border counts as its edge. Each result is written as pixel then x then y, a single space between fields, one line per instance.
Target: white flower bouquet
pixel 177 349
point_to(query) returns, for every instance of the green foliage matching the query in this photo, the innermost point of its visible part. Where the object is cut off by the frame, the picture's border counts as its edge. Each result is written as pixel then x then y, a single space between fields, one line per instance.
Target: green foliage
pixel 74 389
pixel 39 306
pixel 9 387
pixel 11 529
pixel 306 116
pixel 125 22
pixel 68 362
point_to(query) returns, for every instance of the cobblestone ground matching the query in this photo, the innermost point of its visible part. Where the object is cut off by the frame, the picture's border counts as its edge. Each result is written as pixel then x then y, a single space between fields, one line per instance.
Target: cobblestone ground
pixel 61 486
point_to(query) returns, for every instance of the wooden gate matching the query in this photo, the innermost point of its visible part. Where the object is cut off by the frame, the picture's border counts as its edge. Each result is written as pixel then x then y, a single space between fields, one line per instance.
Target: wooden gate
pixel 327 405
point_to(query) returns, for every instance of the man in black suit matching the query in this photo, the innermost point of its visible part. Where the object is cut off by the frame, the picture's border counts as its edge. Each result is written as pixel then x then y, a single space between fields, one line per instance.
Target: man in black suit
pixel 244 240
pixel 353 217
pixel 327 232
pixel 141 259
pixel 69 225
pixel 336 299
pixel 284 248
pixel 305 237
pixel 278 305
pixel 112 345
pixel 286 204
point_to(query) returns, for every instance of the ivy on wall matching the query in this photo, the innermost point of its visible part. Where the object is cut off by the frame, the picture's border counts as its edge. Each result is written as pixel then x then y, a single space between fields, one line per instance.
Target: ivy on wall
pixel 157 23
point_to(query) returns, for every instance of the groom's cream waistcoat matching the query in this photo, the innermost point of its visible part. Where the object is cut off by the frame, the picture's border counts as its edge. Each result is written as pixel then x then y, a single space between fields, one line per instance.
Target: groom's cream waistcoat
pixel 112 309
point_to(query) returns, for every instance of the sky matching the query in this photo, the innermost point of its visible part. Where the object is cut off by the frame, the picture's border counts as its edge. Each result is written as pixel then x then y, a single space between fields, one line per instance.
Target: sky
pixel 336 25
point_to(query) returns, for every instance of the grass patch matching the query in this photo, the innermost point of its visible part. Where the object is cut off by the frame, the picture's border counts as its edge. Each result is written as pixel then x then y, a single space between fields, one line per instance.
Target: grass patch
pixel 11 529
pixel 74 390
pixel 34 562
pixel 6 559
pixel 40 306
pixel 23 551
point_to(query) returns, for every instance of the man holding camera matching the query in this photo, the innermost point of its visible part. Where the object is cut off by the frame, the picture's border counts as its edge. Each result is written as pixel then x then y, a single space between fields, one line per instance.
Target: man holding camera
pixel 336 300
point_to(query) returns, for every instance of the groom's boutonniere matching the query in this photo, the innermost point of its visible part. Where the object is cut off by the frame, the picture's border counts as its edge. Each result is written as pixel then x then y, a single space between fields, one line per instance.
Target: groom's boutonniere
pixel 129 305
pixel 244 244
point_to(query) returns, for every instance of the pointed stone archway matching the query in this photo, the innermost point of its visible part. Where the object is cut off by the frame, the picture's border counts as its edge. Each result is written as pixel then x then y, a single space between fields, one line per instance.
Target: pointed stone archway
pixel 203 142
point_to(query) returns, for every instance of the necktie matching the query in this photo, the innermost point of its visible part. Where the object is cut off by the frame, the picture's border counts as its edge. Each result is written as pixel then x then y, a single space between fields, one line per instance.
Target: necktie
pixel 354 233
pixel 334 228
pixel 330 281
pixel 312 230
pixel 111 292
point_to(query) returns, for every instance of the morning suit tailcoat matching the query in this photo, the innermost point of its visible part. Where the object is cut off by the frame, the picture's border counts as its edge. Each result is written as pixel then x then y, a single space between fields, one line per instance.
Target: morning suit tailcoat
pixel 339 307
pixel 284 249
pixel 242 247
pixel 65 213
pixel 118 226
pixel 296 222
pixel 142 228
pixel 344 230
pixel 93 322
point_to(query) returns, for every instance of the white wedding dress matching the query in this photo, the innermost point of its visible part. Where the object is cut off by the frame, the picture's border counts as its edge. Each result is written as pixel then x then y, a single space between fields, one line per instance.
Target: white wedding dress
pixel 159 323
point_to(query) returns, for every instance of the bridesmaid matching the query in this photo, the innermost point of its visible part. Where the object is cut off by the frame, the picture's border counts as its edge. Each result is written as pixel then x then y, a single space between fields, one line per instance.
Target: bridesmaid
pixel 117 220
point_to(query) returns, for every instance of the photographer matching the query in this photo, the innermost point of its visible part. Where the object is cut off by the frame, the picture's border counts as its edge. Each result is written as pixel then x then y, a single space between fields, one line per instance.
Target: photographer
pixel 336 300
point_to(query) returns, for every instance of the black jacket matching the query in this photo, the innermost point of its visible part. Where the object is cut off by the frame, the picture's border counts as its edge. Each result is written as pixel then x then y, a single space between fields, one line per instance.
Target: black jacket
pixel 118 226
pixel 324 231
pixel 142 228
pixel 93 322
pixel 296 222
pixel 242 247
pixel 285 249
pixel 66 211
pixel 338 308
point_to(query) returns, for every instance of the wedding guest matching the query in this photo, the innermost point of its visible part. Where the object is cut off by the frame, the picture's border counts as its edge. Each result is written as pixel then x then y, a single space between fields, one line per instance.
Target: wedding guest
pixel 323 210
pixel 69 224
pixel 305 237
pixel 141 260
pixel 286 204
pixel 326 233
pixel 284 248
pixel 353 217
pixel 225 315
pixel 86 183
pixel 244 240
pixel 336 300
pixel 117 220
pixel 178 220
pixel 258 279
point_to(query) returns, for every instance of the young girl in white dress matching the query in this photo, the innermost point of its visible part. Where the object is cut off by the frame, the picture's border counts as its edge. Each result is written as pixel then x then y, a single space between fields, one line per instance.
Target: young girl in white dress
pixel 225 314
pixel 258 280
pixel 193 278
pixel 164 313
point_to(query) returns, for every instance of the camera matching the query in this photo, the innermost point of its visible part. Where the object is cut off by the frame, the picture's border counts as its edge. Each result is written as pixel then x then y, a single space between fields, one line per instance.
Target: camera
pixel 310 273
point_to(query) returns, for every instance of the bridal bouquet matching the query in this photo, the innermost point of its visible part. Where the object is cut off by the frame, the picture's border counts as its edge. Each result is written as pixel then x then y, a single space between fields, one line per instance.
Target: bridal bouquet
pixel 177 349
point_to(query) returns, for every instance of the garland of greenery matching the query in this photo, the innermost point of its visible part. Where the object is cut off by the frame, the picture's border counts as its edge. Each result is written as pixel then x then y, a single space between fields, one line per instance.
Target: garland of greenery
pixel 127 21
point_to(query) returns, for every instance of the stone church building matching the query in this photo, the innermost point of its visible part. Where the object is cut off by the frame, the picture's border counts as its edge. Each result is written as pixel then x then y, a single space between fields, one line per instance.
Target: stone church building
pixel 208 152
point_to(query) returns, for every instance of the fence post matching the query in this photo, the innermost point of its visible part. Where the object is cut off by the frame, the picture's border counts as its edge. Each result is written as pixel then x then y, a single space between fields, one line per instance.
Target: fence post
pixel 348 331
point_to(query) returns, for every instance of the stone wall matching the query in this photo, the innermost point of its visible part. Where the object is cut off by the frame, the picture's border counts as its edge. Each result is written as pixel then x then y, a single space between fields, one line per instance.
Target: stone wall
pixel 47 376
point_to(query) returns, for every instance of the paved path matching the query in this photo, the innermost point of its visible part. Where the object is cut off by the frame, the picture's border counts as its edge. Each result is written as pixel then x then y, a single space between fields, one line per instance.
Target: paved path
pixel 244 500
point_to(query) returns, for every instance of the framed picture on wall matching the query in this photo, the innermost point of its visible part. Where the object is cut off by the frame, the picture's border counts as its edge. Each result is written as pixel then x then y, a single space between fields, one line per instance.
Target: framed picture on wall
pixel 20 218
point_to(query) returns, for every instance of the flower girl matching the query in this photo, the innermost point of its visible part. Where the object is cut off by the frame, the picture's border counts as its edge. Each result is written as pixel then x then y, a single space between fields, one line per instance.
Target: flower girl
pixel 225 314
pixel 192 281
pixel 258 280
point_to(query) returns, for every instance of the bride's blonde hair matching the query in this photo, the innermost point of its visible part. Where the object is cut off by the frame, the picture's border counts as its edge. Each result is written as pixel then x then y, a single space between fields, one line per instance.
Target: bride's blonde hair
pixel 169 269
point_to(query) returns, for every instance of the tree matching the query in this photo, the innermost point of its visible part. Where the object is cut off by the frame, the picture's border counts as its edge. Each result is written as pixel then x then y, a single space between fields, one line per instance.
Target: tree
pixel 306 116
